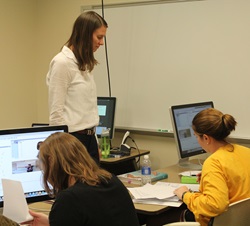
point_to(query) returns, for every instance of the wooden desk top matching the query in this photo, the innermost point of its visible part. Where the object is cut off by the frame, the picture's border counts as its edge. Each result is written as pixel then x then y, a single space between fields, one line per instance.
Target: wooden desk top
pixel 42 207
pixel 134 154
pixel 173 177
pixel 148 209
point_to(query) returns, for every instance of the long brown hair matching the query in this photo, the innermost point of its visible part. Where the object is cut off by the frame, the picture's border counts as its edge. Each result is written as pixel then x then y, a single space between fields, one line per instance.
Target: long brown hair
pixel 214 123
pixel 81 39
pixel 62 156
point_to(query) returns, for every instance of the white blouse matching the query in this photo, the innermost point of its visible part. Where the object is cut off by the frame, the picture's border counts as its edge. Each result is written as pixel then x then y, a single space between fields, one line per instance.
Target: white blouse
pixel 72 93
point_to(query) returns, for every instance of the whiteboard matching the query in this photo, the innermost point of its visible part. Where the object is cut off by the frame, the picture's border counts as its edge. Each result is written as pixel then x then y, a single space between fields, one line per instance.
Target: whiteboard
pixel 177 53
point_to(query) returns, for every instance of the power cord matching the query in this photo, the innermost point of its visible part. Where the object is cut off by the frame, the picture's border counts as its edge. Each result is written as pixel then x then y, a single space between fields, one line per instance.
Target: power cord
pixel 106 54
pixel 200 163
pixel 136 148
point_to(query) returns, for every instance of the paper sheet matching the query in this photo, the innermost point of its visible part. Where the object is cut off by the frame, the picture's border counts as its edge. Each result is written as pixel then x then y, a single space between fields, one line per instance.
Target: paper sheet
pixel 162 202
pixel 190 173
pixel 153 191
pixel 15 205
pixel 161 193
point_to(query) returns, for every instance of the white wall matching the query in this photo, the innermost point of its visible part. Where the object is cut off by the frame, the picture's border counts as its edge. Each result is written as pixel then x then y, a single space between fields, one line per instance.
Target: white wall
pixel 17 71
pixel 54 28
pixel 168 54
pixel 33 31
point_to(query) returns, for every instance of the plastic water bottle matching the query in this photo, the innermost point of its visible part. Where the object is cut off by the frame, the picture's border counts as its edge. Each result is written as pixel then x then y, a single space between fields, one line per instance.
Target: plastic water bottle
pixel 146 170
pixel 105 143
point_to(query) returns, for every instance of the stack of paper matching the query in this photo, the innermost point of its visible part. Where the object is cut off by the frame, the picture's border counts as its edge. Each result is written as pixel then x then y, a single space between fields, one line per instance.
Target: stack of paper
pixel 161 193
pixel 190 173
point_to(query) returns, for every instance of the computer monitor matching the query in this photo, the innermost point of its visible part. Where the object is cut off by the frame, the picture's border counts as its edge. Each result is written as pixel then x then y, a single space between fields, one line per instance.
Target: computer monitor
pixel 187 144
pixel 38 124
pixel 106 111
pixel 18 159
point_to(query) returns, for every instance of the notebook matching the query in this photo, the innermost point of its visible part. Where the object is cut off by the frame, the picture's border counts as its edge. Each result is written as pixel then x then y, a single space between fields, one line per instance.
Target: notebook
pixel 135 177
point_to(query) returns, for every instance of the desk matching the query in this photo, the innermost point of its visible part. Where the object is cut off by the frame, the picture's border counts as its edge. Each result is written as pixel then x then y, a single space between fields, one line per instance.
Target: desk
pixel 42 207
pixel 157 215
pixel 151 215
pixel 124 164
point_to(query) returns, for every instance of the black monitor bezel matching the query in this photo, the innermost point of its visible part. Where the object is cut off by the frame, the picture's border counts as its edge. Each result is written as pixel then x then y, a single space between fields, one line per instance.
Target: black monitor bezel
pixel 38 124
pixel 112 129
pixel 32 130
pixel 182 155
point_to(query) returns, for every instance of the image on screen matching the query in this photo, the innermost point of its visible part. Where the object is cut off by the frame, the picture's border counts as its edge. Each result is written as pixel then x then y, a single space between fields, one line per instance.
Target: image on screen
pixel 106 111
pixel 18 159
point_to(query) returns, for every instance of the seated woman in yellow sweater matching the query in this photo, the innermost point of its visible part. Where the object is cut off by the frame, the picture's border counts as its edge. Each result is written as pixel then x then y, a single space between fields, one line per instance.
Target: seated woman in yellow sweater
pixel 225 174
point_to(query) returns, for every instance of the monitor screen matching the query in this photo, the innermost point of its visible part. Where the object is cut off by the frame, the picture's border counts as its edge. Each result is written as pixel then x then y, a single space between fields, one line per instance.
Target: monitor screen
pixel 106 111
pixel 187 144
pixel 18 159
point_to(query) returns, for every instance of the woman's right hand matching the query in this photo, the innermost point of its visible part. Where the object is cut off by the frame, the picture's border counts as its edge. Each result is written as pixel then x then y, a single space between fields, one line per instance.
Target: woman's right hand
pixel 40 219
pixel 198 177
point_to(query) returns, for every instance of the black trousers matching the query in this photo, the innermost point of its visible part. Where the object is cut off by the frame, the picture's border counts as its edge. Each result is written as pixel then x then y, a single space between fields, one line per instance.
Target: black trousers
pixel 169 216
pixel 90 142
pixel 187 215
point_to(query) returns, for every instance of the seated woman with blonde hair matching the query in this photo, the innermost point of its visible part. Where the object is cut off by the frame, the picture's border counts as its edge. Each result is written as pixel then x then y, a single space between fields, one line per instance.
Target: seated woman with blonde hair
pixel 85 194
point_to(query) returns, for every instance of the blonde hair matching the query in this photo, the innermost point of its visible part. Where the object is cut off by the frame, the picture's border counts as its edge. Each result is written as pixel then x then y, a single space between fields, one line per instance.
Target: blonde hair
pixel 214 123
pixel 62 156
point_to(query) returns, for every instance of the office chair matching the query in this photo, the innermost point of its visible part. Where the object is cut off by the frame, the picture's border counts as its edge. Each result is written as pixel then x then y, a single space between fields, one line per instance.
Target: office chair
pixel 237 214
pixel 183 224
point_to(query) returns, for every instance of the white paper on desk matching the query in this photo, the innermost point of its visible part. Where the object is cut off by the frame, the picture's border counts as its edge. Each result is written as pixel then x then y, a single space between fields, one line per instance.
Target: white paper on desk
pixel 158 190
pixel 190 173
pixel 163 202
pixel 161 193
pixel 193 187
pixel 15 206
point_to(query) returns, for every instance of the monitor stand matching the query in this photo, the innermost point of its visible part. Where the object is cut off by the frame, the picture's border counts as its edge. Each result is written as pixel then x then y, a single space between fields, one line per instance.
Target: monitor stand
pixel 185 163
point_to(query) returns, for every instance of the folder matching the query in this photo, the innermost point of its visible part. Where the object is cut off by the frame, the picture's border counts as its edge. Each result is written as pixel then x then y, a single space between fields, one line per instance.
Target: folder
pixel 189 180
pixel 135 177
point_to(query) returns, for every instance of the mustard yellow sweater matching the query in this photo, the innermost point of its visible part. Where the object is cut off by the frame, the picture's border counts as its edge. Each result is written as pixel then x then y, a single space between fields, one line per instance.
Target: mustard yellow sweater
pixel 225 179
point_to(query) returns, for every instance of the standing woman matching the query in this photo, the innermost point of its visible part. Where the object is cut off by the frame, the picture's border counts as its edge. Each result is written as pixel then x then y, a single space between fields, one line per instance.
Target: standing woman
pixel 225 174
pixel 71 85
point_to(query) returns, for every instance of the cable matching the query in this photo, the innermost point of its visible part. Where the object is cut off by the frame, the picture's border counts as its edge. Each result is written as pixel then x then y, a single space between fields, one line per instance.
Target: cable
pixel 138 161
pixel 199 160
pixel 106 54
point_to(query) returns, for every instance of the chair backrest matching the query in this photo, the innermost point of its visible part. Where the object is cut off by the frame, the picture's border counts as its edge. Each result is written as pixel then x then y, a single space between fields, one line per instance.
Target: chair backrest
pixel 183 224
pixel 238 214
